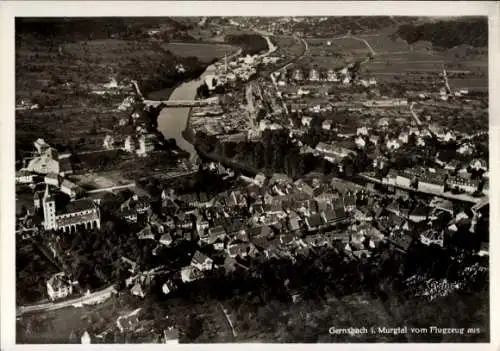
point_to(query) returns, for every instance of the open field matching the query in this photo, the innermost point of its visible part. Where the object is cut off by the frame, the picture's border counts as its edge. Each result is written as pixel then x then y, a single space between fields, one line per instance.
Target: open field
pixel 91 181
pixel 383 43
pixel 288 46
pixel 467 66
pixel 347 47
pixel 205 52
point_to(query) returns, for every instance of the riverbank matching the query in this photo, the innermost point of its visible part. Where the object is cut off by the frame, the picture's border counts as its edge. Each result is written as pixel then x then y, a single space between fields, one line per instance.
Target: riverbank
pixel 175 122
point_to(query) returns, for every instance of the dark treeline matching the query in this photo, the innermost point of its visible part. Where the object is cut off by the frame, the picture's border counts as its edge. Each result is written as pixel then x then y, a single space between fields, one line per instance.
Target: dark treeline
pixel 74 29
pixel 250 43
pixel 276 153
pixel 354 24
pixel 166 76
pixel 447 34
pixel 322 275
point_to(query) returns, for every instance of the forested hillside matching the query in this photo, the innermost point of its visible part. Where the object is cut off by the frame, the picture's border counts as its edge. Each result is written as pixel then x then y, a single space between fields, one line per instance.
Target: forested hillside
pixel 448 34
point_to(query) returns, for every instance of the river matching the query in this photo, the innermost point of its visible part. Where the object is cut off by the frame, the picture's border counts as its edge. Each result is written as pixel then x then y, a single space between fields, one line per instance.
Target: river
pixel 172 121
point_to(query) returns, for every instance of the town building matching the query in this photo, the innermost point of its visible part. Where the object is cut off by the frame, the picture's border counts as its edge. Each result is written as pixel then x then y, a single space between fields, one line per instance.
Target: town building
pixel 129 215
pixel 326 125
pixel 334 150
pixel 464 184
pixel 146 144
pixel 331 76
pixel 109 142
pixel 191 273
pixel 313 75
pixel 386 103
pixel 479 164
pixel 85 339
pixel 48 160
pixel 24 177
pixel 69 188
pixel 306 121
pixel 129 144
pixel 201 261
pixel 362 131
pixel 431 182
pixel 298 75
pixel 52 179
pixel 59 286
pixel 432 237
pixel 129 321
pixel 170 336
pixel 393 144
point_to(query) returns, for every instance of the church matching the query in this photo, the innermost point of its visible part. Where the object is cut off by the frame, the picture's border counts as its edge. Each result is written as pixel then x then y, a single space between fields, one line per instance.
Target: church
pixel 76 214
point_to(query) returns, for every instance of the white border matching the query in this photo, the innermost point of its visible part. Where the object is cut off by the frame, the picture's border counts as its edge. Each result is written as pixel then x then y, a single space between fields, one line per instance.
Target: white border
pixel 11 9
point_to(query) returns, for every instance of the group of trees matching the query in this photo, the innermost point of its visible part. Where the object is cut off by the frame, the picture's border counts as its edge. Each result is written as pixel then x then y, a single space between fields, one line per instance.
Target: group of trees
pixel 276 153
pixel 449 33
pixel 251 44
pixel 339 25
pixel 165 75
pixel 74 29
pixel 260 297
pixel 32 272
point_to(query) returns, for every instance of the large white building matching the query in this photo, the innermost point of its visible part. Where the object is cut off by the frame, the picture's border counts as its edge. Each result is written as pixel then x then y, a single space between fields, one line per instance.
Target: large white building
pixel 59 286
pixel 313 75
pixel 48 160
pixel 146 144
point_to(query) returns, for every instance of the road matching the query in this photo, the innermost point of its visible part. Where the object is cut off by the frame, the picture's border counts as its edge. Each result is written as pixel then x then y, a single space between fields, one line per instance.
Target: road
pixel 484 201
pixel 273 79
pixel 112 188
pixel 51 306
pixel 414 114
pixel 170 176
pixel 228 319
pixel 97 151
pixel 364 41
pixel 137 89
pixel 350 36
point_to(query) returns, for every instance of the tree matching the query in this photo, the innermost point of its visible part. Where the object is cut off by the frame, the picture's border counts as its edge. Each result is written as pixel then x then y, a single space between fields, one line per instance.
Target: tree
pixel 193 327
pixel 203 91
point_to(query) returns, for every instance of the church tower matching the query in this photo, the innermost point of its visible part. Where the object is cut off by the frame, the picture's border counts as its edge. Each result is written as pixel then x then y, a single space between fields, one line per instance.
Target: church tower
pixel 49 210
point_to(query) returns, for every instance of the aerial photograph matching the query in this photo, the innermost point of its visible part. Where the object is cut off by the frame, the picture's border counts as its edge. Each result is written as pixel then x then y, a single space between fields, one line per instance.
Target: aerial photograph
pixel 251 180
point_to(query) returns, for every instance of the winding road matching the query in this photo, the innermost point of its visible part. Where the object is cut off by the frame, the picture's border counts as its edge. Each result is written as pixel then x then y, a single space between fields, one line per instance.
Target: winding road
pixel 92 298
pixel 350 36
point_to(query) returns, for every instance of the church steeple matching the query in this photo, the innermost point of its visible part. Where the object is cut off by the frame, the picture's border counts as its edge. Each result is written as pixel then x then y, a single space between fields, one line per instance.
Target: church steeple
pixel 49 210
pixel 47 195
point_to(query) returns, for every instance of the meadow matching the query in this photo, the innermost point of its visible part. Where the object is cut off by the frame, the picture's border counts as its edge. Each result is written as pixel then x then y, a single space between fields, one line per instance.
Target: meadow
pixel 395 59
pixel 205 52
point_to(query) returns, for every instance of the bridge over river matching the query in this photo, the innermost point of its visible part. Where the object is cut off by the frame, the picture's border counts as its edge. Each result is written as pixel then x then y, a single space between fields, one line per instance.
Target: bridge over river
pixel 175 103
pixel 183 103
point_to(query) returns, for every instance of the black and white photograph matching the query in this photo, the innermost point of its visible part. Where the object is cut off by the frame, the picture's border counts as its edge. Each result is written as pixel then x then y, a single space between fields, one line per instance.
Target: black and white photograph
pixel 251 179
